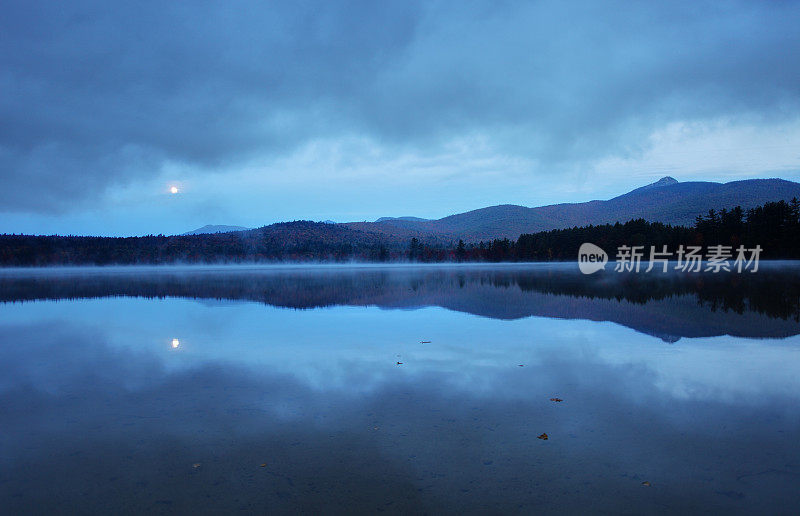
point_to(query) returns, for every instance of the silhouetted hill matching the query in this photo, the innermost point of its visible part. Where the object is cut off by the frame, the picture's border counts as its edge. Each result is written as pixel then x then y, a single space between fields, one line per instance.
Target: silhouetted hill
pixel 302 234
pixel 211 229
pixel 666 200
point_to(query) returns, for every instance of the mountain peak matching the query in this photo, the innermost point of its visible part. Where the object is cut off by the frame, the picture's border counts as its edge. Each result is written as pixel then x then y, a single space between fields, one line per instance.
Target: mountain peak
pixel 664 181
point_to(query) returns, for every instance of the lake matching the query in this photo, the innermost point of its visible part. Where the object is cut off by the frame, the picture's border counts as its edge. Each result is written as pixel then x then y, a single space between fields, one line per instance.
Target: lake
pixel 412 389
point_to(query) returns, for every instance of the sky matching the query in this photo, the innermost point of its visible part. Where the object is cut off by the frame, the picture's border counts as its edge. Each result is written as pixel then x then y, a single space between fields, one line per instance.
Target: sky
pixel 259 112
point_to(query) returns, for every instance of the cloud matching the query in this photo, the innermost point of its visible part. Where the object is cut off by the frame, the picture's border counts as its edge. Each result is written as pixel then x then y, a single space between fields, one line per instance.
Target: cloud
pixel 98 95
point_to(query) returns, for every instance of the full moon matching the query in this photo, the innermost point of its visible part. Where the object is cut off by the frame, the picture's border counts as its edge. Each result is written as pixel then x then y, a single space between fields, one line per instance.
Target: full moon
pixel 173 189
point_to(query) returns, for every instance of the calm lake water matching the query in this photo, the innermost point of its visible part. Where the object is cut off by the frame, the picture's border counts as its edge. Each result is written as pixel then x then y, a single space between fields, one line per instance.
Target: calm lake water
pixel 399 389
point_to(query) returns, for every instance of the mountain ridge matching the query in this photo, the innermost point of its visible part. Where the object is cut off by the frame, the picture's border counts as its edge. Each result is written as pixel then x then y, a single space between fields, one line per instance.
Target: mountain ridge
pixel 666 200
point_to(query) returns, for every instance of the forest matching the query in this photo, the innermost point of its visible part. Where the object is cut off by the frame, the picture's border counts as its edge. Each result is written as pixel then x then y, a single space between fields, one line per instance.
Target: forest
pixel 775 227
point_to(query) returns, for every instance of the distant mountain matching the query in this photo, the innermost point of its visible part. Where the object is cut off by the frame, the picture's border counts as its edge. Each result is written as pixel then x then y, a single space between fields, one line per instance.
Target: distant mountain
pixel 210 229
pixel 416 219
pixel 773 224
pixel 666 200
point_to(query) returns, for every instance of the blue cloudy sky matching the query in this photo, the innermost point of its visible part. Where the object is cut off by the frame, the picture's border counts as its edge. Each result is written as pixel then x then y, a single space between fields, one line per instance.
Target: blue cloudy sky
pixel 351 110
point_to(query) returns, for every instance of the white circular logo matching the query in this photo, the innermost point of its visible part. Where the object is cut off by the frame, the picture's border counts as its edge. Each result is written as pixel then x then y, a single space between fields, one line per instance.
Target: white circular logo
pixel 591 258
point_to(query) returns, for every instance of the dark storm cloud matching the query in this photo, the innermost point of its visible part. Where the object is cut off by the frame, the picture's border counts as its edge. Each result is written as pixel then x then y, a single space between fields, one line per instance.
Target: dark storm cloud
pixel 95 94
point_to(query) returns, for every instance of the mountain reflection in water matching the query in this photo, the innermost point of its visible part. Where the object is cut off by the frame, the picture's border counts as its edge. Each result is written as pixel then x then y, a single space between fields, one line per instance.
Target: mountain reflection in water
pixel 399 390
pixel 670 306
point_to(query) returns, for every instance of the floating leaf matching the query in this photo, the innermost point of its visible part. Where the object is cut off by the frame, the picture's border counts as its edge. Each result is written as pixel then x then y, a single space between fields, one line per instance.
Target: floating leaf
pixel 543 437
pixel 646 483
pixel 556 399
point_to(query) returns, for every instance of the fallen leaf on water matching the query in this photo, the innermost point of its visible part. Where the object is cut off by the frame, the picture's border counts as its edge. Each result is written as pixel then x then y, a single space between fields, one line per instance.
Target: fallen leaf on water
pixel 543 437
pixel 196 465
pixel 646 483
pixel 556 399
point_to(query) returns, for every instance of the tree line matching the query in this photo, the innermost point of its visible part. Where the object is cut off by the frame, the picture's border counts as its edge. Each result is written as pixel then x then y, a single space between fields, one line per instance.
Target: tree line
pixel 775 227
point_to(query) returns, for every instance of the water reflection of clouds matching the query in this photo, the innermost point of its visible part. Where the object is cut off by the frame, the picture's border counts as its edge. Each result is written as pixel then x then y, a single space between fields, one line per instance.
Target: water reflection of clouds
pixel 99 407
pixel 322 348
pixel 72 402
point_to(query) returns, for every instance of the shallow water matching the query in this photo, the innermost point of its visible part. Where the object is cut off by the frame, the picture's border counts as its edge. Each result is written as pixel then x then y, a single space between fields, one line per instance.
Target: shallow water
pixel 275 389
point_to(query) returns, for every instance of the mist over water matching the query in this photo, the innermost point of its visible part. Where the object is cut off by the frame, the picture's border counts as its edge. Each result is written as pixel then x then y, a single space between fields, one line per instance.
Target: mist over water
pixel 398 389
